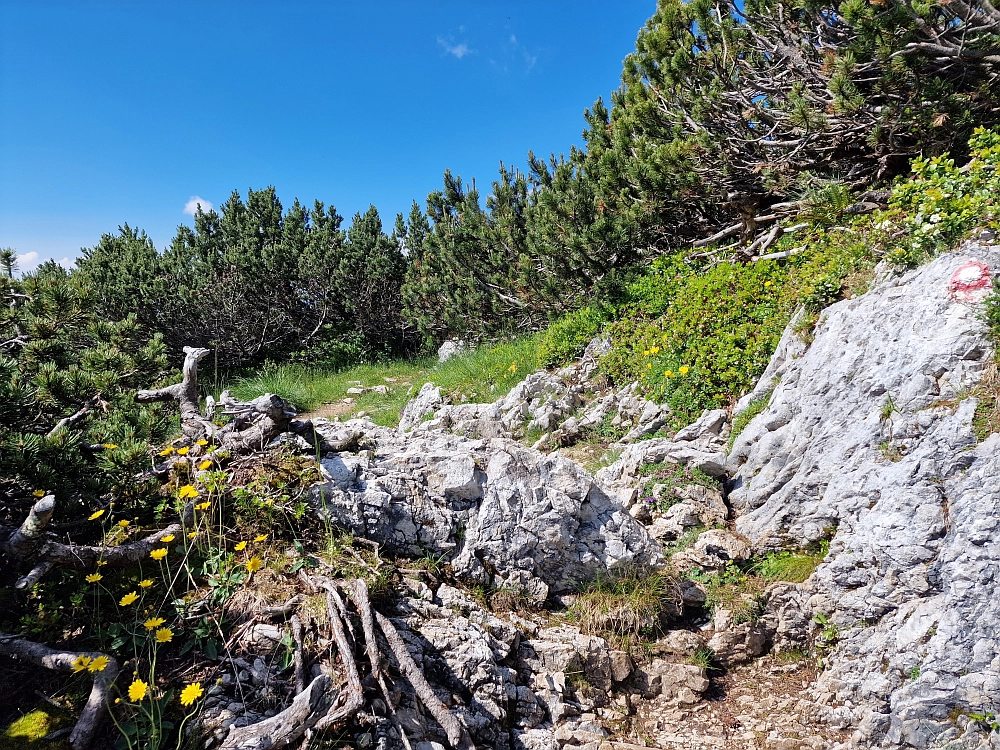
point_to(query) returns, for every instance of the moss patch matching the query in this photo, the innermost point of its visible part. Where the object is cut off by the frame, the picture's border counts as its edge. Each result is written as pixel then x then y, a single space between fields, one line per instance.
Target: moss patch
pixel 30 731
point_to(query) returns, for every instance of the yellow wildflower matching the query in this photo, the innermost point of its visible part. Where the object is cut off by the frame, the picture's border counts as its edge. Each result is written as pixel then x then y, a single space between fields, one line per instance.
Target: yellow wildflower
pixel 168 538
pixel 109 446
pixel 158 554
pixel 188 492
pixel 130 597
pixel 202 442
pixel 164 635
pixel 146 583
pixel 192 534
pixel 167 451
pixel 137 690
pixel 153 623
pixel 512 368
pixel 102 562
pixel 260 537
pixel 81 663
pixel 96 514
pixel 183 451
pixel 683 369
pixel 669 373
pixel 204 465
pixel 649 365
pixel 240 547
pixel 98 664
pixel 191 693
pixel 767 283
pixel 203 506
pixel 123 523
pixel 39 493
pixel 254 564
pixel 94 578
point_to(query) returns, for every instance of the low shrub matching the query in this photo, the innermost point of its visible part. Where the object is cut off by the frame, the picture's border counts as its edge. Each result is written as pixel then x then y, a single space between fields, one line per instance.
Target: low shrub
pixel 566 339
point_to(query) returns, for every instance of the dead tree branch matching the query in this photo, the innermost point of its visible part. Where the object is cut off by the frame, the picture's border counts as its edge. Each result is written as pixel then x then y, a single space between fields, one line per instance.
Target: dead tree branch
pixel 67 661
pixel 457 736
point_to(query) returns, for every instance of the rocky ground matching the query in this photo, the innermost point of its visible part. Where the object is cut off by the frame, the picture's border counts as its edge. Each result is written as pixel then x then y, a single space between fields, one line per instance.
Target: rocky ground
pixel 864 443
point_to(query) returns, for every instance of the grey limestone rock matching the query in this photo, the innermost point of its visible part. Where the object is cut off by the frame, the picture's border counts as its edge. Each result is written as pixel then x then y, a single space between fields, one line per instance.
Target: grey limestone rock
pixel 502 514
pixel 867 439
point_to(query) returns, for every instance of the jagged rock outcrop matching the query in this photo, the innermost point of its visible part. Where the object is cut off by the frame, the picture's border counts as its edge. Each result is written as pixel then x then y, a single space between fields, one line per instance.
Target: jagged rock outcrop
pixel 867 441
pixel 502 514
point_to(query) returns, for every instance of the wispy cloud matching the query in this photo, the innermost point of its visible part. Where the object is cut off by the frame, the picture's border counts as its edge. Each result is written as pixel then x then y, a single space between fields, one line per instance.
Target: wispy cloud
pixel 528 58
pixel 28 261
pixel 191 207
pixel 458 50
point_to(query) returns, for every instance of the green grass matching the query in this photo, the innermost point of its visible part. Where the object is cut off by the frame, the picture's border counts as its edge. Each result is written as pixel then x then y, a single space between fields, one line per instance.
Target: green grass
pixel 30 730
pixel 754 408
pixel 485 374
pixel 628 603
pixel 791 567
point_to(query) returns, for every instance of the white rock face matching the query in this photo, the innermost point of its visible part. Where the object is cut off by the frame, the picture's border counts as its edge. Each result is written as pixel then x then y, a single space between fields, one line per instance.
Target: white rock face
pixel 867 440
pixel 502 514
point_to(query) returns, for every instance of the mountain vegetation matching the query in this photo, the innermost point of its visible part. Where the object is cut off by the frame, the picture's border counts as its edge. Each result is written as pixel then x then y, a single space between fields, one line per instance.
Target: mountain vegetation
pixel 757 162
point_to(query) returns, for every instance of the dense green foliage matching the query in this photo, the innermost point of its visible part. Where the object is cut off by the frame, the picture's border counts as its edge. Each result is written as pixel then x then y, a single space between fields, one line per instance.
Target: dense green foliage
pixel 255 281
pixel 58 356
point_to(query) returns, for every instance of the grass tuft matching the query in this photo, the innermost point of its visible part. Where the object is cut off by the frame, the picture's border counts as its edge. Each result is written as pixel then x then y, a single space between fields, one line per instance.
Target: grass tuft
pixel 630 602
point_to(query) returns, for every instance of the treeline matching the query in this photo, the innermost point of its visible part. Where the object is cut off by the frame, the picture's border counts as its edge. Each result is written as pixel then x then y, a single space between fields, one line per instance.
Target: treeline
pixel 731 119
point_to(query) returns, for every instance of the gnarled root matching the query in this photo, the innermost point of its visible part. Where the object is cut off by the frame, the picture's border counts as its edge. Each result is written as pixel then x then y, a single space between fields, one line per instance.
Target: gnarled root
pixel 29 543
pixel 256 422
pixel 65 661
pixel 322 706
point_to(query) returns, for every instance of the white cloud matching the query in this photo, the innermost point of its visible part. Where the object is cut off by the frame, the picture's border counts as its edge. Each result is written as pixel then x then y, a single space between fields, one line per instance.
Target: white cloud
pixel 513 39
pixel 66 263
pixel 191 207
pixel 458 50
pixel 28 261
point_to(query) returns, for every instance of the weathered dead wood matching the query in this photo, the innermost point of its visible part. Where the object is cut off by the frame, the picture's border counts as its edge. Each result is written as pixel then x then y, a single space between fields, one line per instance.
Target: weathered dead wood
pixel 352 698
pixel 358 591
pixel 458 738
pixel 26 540
pixel 289 725
pixel 71 420
pixel 299 657
pixel 65 661
pixel 283 610
pixel 184 393
pixel 256 423
pixel 29 543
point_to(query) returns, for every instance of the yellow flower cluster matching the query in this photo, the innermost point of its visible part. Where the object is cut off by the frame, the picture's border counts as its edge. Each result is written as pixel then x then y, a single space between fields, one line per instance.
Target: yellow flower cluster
pixel 188 492
pixel 158 554
pixel 95 664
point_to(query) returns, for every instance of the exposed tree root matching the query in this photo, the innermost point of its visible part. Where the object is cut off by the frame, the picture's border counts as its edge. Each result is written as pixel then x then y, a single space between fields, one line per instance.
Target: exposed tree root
pixel 256 422
pixel 30 544
pixel 67 661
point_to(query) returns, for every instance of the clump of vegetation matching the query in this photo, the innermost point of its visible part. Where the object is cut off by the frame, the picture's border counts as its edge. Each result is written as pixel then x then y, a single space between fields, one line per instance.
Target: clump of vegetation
pixel 792 567
pixel 986 420
pixel 755 407
pixel 670 477
pixel 940 202
pixel 629 603
pixel 566 338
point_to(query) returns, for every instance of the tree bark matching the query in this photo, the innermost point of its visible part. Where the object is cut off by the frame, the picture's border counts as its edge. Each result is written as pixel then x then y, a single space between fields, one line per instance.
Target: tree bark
pixel 64 661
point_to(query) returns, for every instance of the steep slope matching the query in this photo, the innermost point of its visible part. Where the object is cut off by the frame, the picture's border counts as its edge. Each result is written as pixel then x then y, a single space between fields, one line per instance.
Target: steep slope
pixel 867 440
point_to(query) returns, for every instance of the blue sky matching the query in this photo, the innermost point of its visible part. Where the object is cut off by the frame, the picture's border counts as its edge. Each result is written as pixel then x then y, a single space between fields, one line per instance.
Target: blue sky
pixel 115 112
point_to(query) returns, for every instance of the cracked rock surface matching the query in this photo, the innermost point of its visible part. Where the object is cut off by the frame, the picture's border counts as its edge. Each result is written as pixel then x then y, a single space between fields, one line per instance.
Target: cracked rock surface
pixel 867 440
